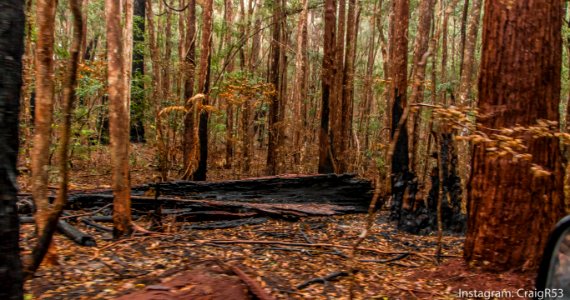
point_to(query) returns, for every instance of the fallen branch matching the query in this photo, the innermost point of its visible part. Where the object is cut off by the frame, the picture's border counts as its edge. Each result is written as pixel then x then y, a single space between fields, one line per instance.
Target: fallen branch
pixel 69 231
pixel 317 245
pixel 90 222
pixel 401 256
pixel 75 234
pixel 227 224
pixel 86 214
pixel 331 277
pixel 254 287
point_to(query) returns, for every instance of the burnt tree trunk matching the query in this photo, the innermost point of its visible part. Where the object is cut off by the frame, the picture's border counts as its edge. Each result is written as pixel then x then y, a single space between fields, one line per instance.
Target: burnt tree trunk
pixel 204 84
pixel 510 207
pixel 325 151
pixel 274 77
pixel 398 55
pixel 189 75
pixel 11 50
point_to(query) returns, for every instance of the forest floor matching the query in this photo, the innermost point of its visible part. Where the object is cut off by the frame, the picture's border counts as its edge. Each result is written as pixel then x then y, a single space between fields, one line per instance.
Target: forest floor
pixel 279 255
pixel 116 268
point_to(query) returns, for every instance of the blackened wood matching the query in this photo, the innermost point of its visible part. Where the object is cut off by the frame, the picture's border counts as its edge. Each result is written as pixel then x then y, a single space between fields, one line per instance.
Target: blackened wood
pixel 331 277
pixel 91 223
pixel 75 234
pixel 227 224
pixel 11 50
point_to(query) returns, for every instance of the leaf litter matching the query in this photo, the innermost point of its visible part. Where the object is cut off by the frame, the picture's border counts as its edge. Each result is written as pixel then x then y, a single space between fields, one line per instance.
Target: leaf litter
pixel 307 259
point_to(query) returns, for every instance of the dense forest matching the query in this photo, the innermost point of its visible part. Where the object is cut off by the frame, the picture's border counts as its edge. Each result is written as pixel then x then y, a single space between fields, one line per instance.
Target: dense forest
pixel 330 149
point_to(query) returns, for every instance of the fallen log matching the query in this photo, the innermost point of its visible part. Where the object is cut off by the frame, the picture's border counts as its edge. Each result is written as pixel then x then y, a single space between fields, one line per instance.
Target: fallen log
pixel 68 230
pixel 341 190
pixel 75 234
pixel 227 224
pixel 214 215
pixel 286 197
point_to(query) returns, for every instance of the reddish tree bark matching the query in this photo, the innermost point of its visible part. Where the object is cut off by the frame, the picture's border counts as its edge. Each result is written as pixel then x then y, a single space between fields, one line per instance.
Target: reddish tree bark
pixel 204 87
pixel 274 77
pixel 118 121
pixel 328 75
pixel 510 210
pixel 189 139
pixel 398 70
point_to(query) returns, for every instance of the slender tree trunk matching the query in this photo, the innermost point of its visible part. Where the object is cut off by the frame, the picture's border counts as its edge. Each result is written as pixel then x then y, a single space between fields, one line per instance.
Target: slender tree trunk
pixel 228 23
pixel 11 46
pixel 128 45
pixel 181 49
pixel 347 98
pixel 421 53
pixel 157 92
pixel 300 83
pixel 137 134
pixel 44 100
pixel 505 196
pixel 465 84
pixel 118 121
pixel 84 29
pixel 328 76
pixel 190 140
pixel 63 156
pixel 469 54
pixel 398 55
pixel 463 33
pixel 243 34
pixel 204 86
pixel 274 74
pixel 336 120
pixel 367 107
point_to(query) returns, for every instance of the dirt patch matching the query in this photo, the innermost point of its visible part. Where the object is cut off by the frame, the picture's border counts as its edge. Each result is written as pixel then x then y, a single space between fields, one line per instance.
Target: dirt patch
pixel 207 281
pixel 456 276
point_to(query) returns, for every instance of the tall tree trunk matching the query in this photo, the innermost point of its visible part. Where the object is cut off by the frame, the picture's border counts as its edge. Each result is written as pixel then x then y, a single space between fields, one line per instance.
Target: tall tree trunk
pixel 228 23
pixel 465 84
pixel 63 156
pixel 336 120
pixel 421 53
pixel 300 84
pixel 274 74
pixel 190 70
pixel 44 100
pixel 243 34
pixel 347 98
pixel 328 76
pixel 463 32
pixel 137 134
pixel 204 86
pixel 11 50
pixel 367 105
pixel 398 55
pixel 247 65
pixel 504 195
pixel 157 92
pixel 166 62
pixel 469 54
pixel 118 121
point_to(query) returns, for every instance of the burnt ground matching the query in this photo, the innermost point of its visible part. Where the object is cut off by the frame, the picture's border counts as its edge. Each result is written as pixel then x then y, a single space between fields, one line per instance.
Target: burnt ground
pixel 182 261
pixel 199 260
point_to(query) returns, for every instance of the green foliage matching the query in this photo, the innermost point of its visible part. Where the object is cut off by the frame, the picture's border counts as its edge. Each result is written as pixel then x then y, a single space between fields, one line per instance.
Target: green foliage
pixel 89 86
